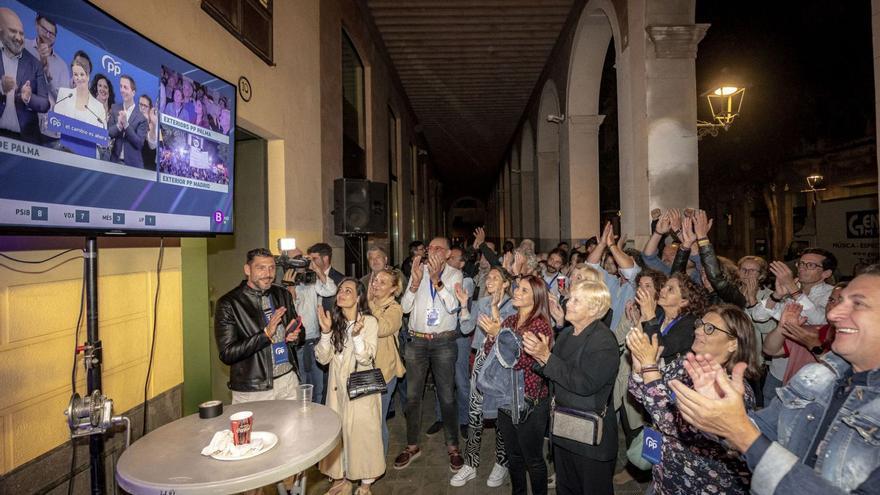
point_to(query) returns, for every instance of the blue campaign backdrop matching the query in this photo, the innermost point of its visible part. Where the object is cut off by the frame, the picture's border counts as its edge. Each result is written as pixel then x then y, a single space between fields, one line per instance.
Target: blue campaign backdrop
pixel 114 50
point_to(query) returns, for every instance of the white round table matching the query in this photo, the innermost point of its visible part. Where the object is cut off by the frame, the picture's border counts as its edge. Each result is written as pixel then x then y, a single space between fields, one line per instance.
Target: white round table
pixel 169 460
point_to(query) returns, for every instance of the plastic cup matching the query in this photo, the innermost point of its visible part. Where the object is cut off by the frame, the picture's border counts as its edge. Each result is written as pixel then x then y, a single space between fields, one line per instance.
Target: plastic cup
pixel 241 424
pixel 304 395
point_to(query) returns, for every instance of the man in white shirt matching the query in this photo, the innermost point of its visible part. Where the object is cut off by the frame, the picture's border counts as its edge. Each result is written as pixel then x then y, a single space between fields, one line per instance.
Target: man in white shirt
pixel 810 290
pixel 127 126
pixel 430 300
pixel 815 266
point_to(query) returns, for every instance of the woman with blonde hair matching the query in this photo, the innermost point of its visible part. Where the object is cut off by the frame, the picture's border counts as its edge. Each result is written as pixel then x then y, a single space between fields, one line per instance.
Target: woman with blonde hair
pixel 383 291
pixel 582 368
pixel 349 337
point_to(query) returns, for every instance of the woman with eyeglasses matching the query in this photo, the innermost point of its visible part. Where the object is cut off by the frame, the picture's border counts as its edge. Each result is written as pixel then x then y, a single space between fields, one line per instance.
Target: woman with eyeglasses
pixel 690 462
pixel 385 287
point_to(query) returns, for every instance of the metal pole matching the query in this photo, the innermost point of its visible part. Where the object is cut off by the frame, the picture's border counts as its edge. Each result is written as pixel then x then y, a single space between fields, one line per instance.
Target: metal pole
pixel 93 362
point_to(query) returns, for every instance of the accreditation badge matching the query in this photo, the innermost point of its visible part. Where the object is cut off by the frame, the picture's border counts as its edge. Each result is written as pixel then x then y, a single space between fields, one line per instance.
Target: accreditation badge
pixel 279 353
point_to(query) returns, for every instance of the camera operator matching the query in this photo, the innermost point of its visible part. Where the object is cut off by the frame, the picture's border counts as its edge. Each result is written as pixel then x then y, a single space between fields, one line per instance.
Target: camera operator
pixel 306 280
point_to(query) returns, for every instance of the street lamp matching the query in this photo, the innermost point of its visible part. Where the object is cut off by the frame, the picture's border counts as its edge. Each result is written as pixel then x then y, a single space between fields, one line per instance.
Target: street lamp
pixel 725 103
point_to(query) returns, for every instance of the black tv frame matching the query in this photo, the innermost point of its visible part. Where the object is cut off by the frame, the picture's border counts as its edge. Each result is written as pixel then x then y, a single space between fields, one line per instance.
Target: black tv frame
pixel 74 232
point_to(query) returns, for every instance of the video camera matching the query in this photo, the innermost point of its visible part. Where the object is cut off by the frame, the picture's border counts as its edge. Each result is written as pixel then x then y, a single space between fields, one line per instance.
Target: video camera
pixel 303 275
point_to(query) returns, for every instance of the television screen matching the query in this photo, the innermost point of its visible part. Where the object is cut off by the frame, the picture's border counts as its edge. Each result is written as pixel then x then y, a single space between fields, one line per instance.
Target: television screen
pixel 103 131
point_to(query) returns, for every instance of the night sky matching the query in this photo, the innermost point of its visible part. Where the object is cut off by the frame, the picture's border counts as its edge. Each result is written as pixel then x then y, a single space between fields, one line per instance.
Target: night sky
pixel 808 66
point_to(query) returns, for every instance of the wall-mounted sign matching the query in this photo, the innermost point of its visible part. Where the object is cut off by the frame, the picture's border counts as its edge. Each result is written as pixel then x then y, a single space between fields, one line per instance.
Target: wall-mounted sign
pixel 244 88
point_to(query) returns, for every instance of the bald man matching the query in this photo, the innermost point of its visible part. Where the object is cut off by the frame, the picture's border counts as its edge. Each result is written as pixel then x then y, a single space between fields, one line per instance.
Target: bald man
pixel 23 87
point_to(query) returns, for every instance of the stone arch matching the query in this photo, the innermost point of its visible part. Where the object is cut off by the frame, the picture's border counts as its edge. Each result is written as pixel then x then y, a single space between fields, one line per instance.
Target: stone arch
pixel 549 185
pixel 597 30
pixel 527 181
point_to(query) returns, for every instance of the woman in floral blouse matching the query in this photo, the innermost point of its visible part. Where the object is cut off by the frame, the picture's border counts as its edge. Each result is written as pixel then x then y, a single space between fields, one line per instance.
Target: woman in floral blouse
pixel 690 462
pixel 524 441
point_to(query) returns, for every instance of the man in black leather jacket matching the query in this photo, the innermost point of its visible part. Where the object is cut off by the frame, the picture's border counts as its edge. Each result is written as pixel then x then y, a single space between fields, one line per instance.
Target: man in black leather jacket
pixel 257 329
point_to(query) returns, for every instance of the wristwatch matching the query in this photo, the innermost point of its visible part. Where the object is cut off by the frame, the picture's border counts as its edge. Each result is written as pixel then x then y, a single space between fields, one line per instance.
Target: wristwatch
pixel 439 284
pixel 817 350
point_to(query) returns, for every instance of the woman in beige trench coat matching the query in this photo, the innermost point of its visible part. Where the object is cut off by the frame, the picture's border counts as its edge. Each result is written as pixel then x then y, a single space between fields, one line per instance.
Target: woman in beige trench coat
pixel 349 335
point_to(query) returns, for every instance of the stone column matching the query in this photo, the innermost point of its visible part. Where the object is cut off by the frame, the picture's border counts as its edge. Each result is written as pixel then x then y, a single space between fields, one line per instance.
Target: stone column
pixel 581 180
pixel 515 200
pixel 549 211
pixel 673 178
pixel 527 203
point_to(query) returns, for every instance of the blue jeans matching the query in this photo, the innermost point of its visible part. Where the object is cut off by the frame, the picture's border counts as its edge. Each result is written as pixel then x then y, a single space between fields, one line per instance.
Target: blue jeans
pixel 462 381
pixel 439 355
pixel 310 371
pixel 386 402
pixel 771 383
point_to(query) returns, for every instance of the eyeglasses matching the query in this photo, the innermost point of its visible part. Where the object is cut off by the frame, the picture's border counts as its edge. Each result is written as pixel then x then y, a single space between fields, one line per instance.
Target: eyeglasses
pixel 808 265
pixel 709 328
pixel 45 32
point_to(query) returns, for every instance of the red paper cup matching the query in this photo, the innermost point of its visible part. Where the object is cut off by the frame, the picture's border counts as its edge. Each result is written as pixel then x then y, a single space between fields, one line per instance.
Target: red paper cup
pixel 242 424
pixel 560 282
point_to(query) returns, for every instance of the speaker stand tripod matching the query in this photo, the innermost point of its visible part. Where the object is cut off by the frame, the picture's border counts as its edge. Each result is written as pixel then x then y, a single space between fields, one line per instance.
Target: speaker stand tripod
pixel 355 246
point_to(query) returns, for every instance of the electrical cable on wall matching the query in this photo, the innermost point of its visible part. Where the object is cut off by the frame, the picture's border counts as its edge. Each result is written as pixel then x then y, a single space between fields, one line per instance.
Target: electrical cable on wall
pixel 82 297
pixel 153 340
pixel 37 262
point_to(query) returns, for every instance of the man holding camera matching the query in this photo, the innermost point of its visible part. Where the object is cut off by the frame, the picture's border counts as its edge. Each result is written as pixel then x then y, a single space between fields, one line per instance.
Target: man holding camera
pixel 306 283
pixel 257 330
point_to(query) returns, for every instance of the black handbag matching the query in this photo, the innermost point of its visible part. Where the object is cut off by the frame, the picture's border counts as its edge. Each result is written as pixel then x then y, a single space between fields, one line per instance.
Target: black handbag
pixel 366 382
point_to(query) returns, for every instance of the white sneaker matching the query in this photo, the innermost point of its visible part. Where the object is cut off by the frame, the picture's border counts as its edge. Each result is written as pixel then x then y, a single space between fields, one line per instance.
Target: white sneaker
pixel 465 474
pixel 496 477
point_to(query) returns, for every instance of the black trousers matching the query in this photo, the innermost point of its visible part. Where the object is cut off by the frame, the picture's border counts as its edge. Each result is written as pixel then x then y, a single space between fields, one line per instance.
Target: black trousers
pixel 579 475
pixel 525 448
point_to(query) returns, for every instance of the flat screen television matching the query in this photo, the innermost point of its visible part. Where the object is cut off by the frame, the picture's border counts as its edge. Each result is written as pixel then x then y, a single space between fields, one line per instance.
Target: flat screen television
pixel 103 131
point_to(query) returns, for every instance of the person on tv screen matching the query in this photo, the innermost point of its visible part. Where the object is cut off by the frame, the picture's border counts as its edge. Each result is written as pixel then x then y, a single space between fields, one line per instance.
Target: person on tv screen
pixel 78 103
pixel 127 127
pixel 102 89
pixel 225 121
pixel 201 116
pixel 42 47
pixel 145 106
pixel 178 108
pixel 25 93
pixel 188 90
pixel 55 69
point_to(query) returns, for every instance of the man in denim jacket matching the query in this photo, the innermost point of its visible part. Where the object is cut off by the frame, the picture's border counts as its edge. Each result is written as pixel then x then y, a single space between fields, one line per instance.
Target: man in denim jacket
pixel 821 435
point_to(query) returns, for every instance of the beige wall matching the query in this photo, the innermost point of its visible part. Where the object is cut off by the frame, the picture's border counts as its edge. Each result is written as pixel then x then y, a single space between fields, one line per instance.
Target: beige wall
pixel 38 319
